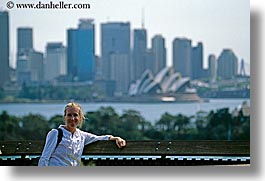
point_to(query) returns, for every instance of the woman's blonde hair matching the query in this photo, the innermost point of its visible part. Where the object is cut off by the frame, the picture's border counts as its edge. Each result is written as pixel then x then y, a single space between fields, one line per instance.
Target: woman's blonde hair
pixel 80 111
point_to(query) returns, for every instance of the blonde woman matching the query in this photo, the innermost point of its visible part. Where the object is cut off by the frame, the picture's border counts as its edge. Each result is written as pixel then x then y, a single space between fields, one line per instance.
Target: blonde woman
pixel 68 151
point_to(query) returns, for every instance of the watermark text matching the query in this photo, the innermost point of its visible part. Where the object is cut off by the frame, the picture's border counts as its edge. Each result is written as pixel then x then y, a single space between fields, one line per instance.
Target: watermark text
pixel 49 5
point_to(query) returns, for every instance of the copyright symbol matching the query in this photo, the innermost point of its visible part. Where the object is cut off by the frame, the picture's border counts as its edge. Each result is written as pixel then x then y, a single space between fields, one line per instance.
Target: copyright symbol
pixel 10 4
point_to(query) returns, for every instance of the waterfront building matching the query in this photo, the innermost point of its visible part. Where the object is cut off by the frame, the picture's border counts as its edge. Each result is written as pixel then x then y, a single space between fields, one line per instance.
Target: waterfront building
pixel 182 56
pixel 55 61
pixel 166 85
pixel 108 87
pixel 81 51
pixel 4 48
pixel 227 65
pixel 160 54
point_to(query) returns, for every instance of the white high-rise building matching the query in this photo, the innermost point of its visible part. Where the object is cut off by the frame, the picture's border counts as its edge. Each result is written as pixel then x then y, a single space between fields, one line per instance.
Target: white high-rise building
pixel 120 72
pixel 55 61
pixel 212 62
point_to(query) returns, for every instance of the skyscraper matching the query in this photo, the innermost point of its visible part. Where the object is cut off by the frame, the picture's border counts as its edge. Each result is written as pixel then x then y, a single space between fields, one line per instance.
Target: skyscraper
pixel 29 62
pixel 81 51
pixel 120 72
pixel 160 54
pixel 115 49
pixel 4 48
pixel 197 62
pixel 36 66
pixel 30 67
pixel 55 61
pixel 149 60
pixel 227 64
pixel 212 67
pixel 182 56
pixel 139 50
pixel 23 69
pixel 24 40
pixel 115 39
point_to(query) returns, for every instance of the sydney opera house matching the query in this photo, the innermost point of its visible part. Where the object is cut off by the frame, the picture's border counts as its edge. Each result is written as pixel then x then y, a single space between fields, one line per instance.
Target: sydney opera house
pixel 166 85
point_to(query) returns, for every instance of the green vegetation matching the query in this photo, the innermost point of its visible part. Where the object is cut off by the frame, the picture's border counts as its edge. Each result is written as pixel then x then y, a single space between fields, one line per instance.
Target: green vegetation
pixel 57 92
pixel 49 93
pixel 216 125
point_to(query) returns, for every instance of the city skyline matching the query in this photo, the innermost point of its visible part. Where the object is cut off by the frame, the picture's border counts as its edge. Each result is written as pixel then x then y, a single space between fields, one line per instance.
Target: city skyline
pixel 218 25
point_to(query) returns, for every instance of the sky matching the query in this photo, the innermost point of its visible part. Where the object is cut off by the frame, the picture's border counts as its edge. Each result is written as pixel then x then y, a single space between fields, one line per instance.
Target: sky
pixel 218 24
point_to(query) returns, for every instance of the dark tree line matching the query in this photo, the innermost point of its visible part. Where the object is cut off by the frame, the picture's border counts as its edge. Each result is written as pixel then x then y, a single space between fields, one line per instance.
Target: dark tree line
pixel 215 125
pixel 85 92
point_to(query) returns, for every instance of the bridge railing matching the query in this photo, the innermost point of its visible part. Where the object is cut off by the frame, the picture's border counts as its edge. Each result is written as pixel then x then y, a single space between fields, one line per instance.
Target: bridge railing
pixel 152 152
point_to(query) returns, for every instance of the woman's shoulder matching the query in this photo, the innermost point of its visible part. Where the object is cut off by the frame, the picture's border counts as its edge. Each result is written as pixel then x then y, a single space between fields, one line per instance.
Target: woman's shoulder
pixel 82 132
pixel 53 132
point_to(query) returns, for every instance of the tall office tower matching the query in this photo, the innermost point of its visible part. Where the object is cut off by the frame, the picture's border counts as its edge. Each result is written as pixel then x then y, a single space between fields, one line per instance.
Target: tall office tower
pixel 36 66
pixel 115 46
pixel 212 67
pixel 24 40
pixel 30 67
pixel 160 54
pixel 81 51
pixel 139 50
pixel 23 69
pixel 55 61
pixel 24 47
pixel 227 64
pixel 182 56
pixel 149 61
pixel 197 62
pixel 4 48
pixel 119 72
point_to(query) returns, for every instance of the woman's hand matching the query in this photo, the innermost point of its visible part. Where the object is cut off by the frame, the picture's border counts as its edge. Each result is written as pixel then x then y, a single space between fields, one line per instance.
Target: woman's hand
pixel 119 141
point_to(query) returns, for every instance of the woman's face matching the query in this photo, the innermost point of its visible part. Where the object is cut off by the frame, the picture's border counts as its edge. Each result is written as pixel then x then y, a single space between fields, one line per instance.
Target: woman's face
pixel 72 117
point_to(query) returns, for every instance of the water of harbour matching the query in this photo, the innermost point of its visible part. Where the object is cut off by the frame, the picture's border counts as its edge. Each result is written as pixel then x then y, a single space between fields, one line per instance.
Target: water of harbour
pixel 150 111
